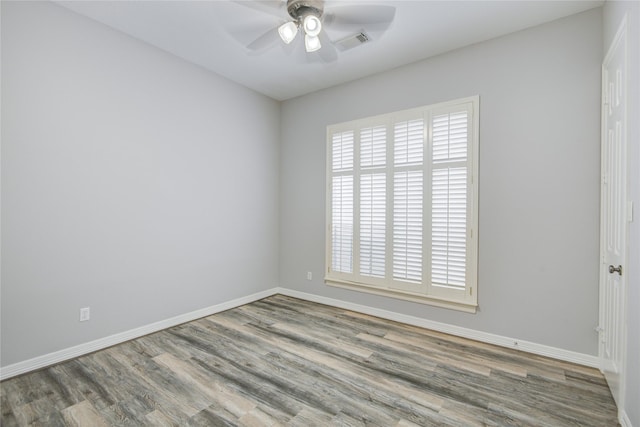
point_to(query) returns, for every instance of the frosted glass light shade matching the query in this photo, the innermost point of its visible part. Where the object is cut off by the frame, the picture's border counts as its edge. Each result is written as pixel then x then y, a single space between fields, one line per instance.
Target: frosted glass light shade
pixel 311 43
pixel 288 32
pixel 312 25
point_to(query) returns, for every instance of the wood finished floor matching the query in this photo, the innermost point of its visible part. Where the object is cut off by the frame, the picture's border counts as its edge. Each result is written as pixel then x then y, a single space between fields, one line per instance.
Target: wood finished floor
pixel 283 361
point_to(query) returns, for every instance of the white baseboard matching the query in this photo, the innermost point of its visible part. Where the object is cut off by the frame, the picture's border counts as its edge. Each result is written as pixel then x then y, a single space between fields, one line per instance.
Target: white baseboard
pixel 86 348
pixel 624 420
pixel 515 343
pixel 89 347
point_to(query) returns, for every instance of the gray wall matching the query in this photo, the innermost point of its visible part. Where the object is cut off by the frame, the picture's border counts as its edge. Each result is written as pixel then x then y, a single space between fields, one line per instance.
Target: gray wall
pixel 539 177
pixel 612 17
pixel 132 182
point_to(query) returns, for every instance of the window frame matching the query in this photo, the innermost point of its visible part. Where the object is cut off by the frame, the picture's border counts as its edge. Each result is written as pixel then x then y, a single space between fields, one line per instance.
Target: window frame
pixel 425 292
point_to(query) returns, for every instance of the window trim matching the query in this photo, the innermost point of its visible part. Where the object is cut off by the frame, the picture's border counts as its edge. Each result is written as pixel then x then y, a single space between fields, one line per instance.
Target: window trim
pixel 466 299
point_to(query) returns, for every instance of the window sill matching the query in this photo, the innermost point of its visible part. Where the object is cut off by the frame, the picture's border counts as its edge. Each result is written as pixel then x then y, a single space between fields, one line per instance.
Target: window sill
pixel 466 307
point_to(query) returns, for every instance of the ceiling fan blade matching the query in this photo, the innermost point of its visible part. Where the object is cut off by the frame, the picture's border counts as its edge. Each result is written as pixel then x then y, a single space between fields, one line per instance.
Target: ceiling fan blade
pixel 371 16
pixel 328 51
pixel 272 7
pixel 265 41
pixel 295 46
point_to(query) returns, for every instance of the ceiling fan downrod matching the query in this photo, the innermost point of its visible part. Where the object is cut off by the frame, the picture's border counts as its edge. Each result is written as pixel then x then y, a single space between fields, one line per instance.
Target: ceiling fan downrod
pixel 300 8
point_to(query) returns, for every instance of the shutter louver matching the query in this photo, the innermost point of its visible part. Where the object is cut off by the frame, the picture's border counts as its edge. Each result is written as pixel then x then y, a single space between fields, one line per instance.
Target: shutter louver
pixel 372 224
pixel 407 226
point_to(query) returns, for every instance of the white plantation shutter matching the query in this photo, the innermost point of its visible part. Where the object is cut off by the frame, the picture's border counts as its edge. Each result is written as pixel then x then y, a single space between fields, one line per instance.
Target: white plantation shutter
pixel 449 199
pixel 372 224
pixel 449 227
pixel 342 202
pixel 342 224
pixel 407 226
pixel 342 151
pixel 373 154
pixel 373 147
pixel 408 142
pixel 403 204
pixel 450 139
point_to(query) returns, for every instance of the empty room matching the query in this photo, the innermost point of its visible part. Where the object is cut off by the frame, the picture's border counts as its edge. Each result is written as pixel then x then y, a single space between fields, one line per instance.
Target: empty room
pixel 320 213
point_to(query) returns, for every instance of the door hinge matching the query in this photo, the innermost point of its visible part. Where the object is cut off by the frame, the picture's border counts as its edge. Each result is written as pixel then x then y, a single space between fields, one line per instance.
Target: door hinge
pixel 630 211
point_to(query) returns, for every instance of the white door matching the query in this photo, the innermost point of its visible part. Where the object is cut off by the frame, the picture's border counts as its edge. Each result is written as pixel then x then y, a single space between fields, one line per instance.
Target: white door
pixel 613 226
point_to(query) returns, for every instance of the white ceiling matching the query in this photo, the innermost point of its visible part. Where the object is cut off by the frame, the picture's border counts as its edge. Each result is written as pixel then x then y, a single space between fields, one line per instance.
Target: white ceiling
pixel 214 35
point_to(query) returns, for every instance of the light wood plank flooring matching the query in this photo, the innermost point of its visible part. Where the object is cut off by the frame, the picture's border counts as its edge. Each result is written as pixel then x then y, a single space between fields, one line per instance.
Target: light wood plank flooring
pixel 283 361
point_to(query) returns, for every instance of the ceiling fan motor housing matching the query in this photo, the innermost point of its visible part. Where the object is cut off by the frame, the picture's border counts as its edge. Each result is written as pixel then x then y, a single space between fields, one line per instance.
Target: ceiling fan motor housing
pixel 298 9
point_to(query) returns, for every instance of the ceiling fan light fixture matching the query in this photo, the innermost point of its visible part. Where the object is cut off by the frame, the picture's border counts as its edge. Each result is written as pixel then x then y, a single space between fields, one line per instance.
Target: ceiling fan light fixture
pixel 288 31
pixel 312 25
pixel 311 43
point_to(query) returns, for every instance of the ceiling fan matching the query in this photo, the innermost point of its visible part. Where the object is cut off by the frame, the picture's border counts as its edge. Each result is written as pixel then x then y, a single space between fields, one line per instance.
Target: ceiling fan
pixel 311 18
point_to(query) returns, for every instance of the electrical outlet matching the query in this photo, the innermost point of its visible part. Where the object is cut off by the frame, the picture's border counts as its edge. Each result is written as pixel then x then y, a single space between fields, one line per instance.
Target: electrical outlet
pixel 85 314
pixel 309 275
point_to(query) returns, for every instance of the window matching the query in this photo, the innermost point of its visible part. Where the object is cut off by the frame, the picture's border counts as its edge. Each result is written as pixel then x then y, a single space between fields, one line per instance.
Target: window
pixel 402 204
